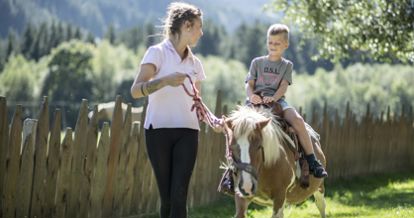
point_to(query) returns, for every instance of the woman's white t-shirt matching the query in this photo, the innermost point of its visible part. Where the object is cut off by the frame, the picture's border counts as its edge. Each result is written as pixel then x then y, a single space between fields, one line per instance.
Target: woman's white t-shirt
pixel 170 107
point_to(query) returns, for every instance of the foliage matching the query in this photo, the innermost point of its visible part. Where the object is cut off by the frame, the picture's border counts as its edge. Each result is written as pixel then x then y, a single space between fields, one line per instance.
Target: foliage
pixel 18 81
pixel 212 40
pixel 96 16
pixel 105 67
pixel 225 75
pixel 380 29
pixel 109 70
pixel 38 41
pixel 110 66
pixel 132 38
pixel 69 79
pixel 124 90
pixel 379 85
pixel 110 34
pixel 250 43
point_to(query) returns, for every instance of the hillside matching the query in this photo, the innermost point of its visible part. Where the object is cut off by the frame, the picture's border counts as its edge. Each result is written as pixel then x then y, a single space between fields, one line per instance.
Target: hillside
pixel 96 15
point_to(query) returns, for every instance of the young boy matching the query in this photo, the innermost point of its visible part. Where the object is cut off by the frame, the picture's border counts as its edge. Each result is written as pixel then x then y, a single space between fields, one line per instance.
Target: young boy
pixel 267 81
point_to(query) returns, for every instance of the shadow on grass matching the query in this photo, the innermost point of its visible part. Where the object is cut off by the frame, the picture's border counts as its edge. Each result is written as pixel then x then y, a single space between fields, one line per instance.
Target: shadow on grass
pixel 372 191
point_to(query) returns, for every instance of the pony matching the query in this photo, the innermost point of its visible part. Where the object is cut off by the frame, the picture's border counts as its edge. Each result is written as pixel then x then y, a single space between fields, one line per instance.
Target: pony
pixel 264 167
pixel 105 111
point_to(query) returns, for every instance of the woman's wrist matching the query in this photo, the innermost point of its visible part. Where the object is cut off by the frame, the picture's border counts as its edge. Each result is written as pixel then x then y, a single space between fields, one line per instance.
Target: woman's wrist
pixel 143 89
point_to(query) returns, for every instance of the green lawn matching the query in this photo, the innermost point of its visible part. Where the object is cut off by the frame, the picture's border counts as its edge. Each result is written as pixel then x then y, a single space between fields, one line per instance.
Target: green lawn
pixel 388 196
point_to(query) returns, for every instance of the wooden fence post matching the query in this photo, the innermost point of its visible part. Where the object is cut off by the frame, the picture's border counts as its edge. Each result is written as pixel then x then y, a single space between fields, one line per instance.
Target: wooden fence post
pixel 39 172
pixel 77 177
pixel 90 161
pixel 24 182
pixel 63 192
pixel 100 173
pixel 116 139
pixel 12 171
pixel 53 164
pixel 4 148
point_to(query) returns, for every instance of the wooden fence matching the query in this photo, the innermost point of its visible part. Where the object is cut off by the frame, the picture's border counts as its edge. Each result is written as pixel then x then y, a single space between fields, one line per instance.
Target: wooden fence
pixel 106 173
pixel 372 144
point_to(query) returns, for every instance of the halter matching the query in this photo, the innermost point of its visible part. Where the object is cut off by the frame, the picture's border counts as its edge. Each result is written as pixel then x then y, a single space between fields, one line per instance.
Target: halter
pixel 203 113
pixel 235 163
pixel 244 167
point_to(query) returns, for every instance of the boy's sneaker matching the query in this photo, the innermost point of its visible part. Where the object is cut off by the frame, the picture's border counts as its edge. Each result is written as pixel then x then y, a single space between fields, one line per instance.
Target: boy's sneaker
pixel 317 169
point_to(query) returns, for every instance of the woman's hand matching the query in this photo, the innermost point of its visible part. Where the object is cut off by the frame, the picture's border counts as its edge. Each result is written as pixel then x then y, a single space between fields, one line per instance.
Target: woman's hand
pixel 175 79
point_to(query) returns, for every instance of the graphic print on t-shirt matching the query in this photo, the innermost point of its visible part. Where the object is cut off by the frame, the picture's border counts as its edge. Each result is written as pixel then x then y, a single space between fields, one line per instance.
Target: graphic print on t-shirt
pixel 269 77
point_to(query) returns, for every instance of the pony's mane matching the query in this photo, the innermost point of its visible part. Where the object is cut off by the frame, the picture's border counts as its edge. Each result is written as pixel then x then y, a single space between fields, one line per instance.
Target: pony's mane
pixel 244 121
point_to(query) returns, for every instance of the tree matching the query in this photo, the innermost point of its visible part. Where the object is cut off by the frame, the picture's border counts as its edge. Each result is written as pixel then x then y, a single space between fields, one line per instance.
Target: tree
pixel 11 44
pixel 132 38
pixel 17 82
pixel 124 89
pixel 250 43
pixel 28 39
pixel 149 34
pixel 78 33
pixel 69 32
pixel 110 34
pixel 69 77
pixel 210 43
pixel 381 29
pixel 90 38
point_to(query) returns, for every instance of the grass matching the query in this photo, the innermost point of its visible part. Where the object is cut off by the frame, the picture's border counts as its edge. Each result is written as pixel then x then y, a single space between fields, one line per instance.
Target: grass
pixel 388 196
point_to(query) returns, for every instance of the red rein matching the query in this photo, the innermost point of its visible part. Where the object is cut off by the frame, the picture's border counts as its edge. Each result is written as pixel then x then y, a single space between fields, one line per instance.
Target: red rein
pixel 203 113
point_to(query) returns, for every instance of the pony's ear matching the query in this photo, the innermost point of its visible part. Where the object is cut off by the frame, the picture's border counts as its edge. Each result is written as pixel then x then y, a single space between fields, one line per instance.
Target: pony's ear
pixel 261 124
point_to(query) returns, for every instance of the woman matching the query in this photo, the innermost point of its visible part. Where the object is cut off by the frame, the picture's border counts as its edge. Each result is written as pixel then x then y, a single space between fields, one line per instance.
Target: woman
pixel 171 128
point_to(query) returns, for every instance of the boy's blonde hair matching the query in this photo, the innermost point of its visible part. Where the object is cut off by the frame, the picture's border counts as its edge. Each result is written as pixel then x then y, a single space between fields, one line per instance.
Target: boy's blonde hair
pixel 277 29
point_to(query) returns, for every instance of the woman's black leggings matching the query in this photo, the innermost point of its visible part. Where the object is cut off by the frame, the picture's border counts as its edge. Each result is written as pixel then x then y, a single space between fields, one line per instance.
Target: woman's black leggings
pixel 172 153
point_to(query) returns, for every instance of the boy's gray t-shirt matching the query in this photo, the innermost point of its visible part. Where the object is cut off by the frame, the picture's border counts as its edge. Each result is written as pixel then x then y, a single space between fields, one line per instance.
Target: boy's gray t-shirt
pixel 268 74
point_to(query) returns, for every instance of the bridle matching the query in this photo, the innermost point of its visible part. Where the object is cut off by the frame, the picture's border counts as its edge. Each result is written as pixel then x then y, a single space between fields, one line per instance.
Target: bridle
pixel 203 113
pixel 235 163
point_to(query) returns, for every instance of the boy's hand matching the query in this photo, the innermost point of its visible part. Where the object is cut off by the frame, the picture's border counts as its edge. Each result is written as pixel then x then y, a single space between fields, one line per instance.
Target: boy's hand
pixel 268 99
pixel 255 99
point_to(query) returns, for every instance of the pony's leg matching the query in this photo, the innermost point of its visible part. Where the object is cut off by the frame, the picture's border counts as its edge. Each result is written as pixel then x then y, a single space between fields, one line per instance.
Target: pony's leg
pixel 320 201
pixel 241 206
pixel 278 206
